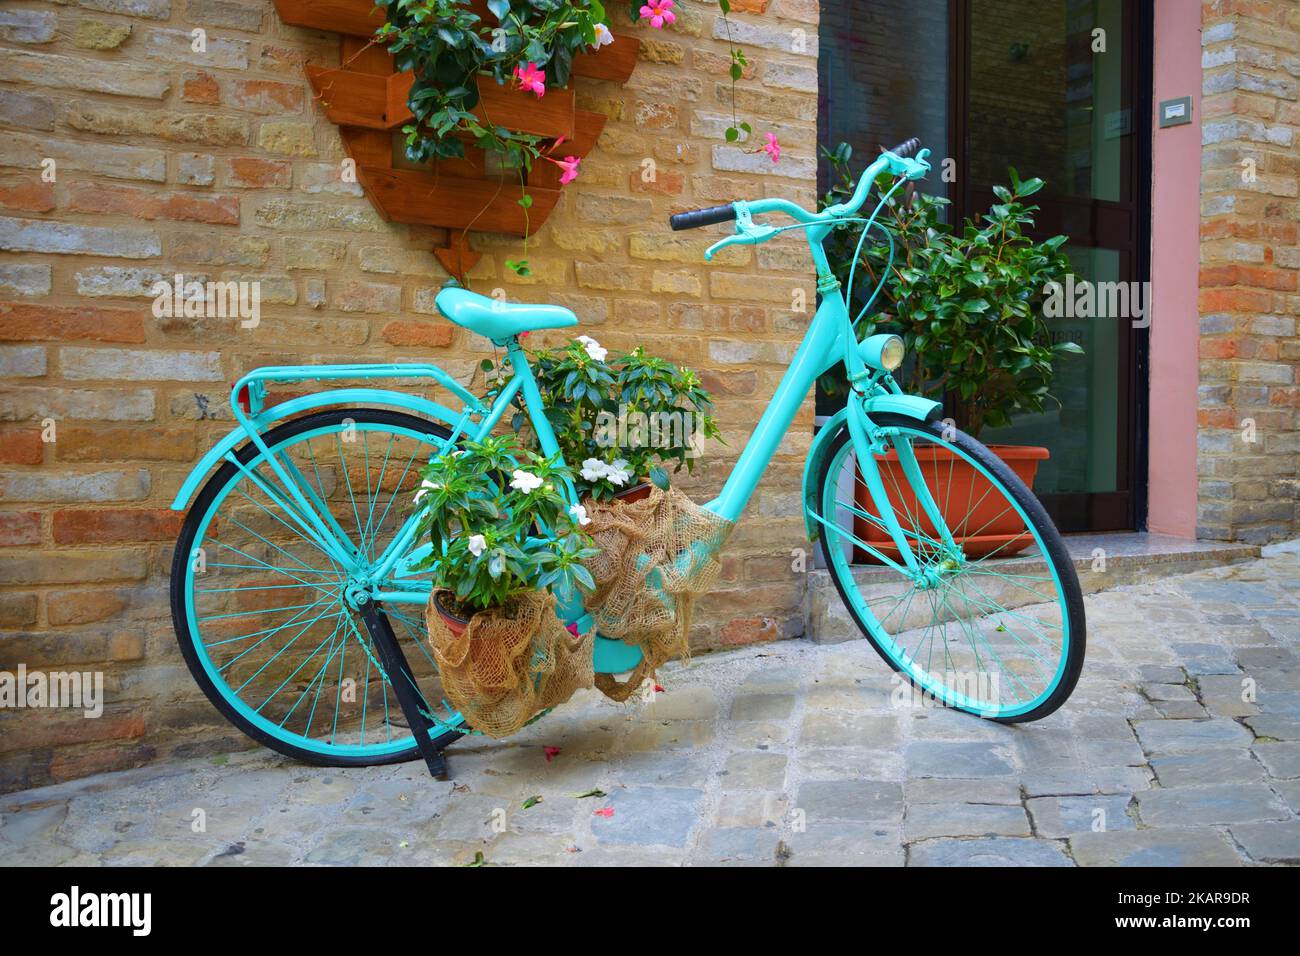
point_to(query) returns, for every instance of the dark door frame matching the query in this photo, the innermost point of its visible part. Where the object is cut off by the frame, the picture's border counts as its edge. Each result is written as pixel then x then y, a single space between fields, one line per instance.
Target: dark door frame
pixel 1124 226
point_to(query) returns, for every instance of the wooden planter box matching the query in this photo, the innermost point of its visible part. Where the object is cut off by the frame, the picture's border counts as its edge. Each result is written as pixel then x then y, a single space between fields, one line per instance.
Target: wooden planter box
pixel 367 98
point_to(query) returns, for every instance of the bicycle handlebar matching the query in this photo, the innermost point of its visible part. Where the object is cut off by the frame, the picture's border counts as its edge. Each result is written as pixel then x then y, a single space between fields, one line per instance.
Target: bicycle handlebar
pixel 897 161
pixel 695 218
pixel 904 149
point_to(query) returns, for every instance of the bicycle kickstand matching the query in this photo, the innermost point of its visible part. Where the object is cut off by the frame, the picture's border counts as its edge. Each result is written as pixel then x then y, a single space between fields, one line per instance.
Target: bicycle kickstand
pixel 399 671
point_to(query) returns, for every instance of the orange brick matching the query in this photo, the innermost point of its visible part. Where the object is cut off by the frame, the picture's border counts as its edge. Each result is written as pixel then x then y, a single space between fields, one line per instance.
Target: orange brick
pixel 1235 300
pixel 253 173
pixel 1217 418
pixel 21 446
pixel 665 182
pixel 1220 348
pixel 147 204
pixel 750 630
pixel 19 527
pixel 431 335
pixel 30 197
pixel 21 322
pixel 200 88
pixel 267 96
pixel 80 443
pixel 83 606
pixel 85 526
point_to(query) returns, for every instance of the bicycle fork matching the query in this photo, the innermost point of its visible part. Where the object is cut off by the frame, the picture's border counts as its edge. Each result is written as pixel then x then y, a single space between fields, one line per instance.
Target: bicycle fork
pixel 870 440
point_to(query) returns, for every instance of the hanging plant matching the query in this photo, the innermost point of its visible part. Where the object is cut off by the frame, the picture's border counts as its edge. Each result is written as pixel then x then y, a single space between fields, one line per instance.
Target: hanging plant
pixel 660 14
pixel 449 48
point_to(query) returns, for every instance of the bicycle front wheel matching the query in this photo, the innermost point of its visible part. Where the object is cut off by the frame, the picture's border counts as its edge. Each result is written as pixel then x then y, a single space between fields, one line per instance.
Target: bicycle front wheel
pixel 990 618
pixel 261 610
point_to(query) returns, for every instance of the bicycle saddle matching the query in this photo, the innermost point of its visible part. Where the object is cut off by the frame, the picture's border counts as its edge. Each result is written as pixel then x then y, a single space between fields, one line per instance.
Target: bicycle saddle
pixel 500 320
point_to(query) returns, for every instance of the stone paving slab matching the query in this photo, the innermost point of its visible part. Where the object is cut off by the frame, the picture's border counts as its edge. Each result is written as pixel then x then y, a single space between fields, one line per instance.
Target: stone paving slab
pixel 1181 746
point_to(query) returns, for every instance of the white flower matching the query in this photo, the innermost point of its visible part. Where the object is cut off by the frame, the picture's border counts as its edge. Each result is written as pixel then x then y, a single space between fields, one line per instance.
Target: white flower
pixel 496 565
pixel 617 473
pixel 593 347
pixel 580 515
pixel 603 36
pixel 593 469
pixel 425 487
pixel 477 544
pixel 525 481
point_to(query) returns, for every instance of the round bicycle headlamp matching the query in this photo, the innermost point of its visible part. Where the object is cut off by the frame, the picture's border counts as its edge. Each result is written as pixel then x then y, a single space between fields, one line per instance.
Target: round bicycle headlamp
pixel 883 352
pixel 892 353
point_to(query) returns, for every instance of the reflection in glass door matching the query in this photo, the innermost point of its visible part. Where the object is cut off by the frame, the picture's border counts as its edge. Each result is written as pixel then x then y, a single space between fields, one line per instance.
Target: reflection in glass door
pixel 1053 89
pixel 1059 89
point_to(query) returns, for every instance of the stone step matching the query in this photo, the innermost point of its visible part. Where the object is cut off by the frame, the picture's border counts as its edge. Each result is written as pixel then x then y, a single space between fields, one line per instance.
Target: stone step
pixel 1103 561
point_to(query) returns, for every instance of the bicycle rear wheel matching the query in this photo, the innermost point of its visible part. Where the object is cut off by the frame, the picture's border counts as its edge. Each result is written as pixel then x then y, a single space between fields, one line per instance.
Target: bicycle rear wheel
pixel 259 608
pixel 973 627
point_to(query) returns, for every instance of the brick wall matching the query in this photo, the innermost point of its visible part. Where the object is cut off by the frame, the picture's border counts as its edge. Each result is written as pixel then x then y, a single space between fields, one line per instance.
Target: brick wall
pixel 220 165
pixel 1249 408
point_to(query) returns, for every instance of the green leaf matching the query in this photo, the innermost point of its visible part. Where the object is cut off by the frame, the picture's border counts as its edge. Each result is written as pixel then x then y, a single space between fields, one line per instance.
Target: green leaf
pixel 595 792
pixel 531 802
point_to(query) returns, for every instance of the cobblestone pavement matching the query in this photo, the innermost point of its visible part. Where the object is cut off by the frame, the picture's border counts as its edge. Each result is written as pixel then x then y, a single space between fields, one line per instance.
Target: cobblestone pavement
pixel 790 754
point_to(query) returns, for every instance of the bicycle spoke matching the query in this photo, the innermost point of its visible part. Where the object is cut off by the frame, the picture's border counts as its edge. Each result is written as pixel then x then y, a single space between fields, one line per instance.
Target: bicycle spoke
pixel 270 614
pixel 966 630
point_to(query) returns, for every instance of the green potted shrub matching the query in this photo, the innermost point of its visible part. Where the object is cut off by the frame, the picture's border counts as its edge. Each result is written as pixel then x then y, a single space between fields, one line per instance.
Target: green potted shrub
pixel 621 421
pixel 968 303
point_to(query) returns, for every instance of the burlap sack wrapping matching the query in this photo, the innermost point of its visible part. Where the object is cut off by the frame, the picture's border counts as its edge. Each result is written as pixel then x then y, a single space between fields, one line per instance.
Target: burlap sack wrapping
pixel 656 557
pixel 510 664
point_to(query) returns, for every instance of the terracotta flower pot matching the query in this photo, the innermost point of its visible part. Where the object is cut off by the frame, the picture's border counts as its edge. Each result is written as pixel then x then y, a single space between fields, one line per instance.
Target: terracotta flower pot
pixel 455 623
pixel 638 492
pixel 960 492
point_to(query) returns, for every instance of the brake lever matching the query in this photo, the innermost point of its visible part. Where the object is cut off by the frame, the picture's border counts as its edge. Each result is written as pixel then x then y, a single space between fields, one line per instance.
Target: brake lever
pixel 748 233
pixel 917 168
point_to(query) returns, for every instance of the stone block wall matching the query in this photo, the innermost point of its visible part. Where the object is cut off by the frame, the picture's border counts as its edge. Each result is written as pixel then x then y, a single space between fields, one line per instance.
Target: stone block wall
pixel 126 157
pixel 1249 399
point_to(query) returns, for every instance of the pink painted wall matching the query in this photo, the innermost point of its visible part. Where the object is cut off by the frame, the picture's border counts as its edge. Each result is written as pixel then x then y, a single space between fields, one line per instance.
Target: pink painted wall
pixel 1175 256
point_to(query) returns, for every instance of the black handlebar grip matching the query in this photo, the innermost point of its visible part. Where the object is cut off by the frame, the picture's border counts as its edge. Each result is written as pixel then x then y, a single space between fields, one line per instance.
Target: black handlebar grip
pixel 905 148
pixel 702 217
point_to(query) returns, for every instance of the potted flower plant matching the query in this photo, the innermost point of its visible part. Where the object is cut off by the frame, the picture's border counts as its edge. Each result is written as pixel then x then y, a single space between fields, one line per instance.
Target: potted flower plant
pixel 504 542
pixel 499 527
pixel 623 420
pixel 968 304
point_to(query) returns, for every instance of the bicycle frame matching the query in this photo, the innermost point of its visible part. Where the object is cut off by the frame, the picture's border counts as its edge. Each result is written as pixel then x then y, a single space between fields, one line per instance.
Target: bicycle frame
pixel 830 338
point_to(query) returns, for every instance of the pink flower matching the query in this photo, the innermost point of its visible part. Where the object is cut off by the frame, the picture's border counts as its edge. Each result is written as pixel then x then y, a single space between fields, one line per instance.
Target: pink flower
pixel 531 78
pixel 570 166
pixel 659 12
pixel 551 753
pixel 605 812
pixel 772 148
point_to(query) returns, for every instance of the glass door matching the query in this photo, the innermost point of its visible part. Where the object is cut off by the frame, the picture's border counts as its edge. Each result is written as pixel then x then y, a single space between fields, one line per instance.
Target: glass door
pixel 1057 90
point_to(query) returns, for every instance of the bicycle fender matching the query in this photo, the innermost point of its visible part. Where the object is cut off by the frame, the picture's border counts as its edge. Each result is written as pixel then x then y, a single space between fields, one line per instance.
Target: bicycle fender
pixel 913 406
pixel 267 419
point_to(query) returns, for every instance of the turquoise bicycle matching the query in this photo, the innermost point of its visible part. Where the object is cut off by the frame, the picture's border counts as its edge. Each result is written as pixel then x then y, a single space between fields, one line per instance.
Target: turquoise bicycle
pixel 294 588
